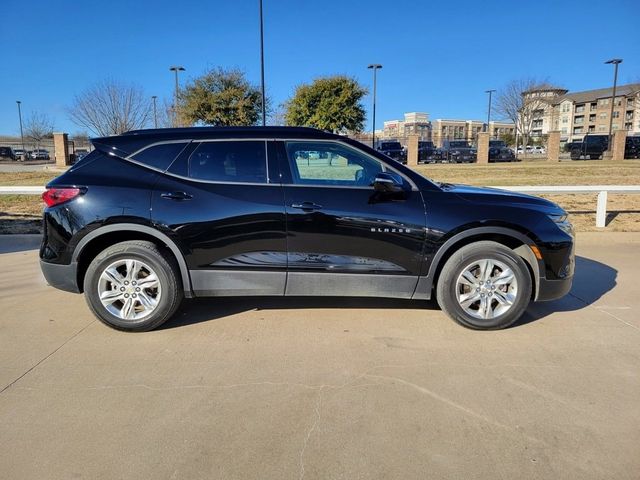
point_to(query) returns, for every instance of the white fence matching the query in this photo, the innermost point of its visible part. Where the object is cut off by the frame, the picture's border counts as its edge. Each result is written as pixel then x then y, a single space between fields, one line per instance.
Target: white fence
pixel 601 190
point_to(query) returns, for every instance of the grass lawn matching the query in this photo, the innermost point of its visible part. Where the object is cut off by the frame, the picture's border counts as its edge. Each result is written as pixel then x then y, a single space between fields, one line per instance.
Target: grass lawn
pixel 624 210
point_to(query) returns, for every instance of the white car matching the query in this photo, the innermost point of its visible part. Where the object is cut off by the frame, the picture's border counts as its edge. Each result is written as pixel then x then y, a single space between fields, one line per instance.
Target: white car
pixel 539 150
pixel 40 154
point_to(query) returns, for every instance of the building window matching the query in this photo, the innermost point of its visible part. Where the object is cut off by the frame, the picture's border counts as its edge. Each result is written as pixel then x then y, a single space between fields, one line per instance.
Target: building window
pixel 593 106
pixel 603 115
pixel 577 130
pixel 565 108
pixel 592 118
pixel 579 120
pixel 592 128
pixel 603 101
pixel 602 128
pixel 616 114
pixel 579 108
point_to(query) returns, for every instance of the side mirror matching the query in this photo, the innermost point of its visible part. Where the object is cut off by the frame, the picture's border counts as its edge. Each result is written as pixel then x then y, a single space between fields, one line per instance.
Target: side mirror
pixel 387 182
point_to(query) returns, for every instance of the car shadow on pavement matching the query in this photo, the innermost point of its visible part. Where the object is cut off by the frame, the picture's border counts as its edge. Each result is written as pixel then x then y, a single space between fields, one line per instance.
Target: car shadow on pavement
pixel 591 280
pixel 213 308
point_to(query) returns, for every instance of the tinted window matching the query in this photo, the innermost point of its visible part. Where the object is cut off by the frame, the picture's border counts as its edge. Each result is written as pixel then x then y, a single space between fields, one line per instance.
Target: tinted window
pixel 159 156
pixel 231 161
pixel 328 163
pixel 391 146
pixel 5 151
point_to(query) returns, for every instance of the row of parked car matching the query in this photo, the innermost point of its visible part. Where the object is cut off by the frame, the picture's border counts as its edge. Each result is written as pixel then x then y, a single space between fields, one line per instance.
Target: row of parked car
pixel 8 153
pixel 452 151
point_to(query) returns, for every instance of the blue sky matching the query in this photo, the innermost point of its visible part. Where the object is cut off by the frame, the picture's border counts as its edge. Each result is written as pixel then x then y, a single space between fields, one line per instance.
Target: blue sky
pixel 438 57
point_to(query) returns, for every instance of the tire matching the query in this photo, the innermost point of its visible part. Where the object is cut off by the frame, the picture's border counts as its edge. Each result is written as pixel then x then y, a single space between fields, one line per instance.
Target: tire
pixel 156 279
pixel 449 290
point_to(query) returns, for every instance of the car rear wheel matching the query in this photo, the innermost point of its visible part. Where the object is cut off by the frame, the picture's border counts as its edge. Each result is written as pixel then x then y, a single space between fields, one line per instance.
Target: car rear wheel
pixel 133 286
pixel 484 286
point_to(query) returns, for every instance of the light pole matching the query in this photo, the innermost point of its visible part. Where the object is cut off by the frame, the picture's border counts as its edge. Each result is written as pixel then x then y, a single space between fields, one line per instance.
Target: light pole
pixel 176 69
pixel 615 62
pixel 24 151
pixel 490 92
pixel 374 67
pixel 264 106
pixel 155 111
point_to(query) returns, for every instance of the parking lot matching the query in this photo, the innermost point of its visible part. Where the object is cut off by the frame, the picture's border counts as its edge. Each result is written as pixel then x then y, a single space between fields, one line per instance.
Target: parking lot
pixel 252 388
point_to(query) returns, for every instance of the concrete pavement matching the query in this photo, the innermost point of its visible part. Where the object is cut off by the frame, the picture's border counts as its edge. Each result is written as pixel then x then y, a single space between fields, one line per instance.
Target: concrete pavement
pixel 317 389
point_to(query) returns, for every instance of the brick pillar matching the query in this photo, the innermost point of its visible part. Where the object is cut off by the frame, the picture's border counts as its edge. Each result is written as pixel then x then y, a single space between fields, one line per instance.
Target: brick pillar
pixel 553 146
pixel 483 147
pixel 61 149
pixel 412 150
pixel 619 140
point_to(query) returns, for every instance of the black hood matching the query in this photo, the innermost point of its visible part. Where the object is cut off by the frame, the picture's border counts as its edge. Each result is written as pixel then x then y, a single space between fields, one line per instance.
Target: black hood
pixel 487 195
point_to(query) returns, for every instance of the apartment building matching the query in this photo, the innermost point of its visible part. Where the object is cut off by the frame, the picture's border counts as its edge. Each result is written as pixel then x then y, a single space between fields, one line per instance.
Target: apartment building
pixel 418 123
pixel 579 113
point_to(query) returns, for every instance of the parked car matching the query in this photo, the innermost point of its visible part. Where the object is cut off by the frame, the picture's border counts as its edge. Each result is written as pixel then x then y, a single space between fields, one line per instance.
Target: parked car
pixel 208 212
pixel 393 149
pixel 40 154
pixel 632 147
pixel 591 147
pixel 79 154
pixel 428 152
pixel 20 154
pixel 458 151
pixel 539 150
pixel 499 152
pixel 7 153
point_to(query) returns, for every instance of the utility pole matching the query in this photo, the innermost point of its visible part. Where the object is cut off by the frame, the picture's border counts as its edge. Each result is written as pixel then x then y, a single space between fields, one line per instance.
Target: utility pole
pixel 24 150
pixel 176 69
pixel 490 92
pixel 615 62
pixel 155 112
pixel 264 105
pixel 374 67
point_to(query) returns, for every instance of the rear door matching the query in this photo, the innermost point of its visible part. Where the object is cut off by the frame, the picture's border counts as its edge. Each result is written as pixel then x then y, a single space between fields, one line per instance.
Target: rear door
pixel 223 206
pixel 342 237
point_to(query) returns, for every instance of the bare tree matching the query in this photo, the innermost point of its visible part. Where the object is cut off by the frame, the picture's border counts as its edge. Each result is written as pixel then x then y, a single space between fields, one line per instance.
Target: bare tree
pixel 521 101
pixel 111 108
pixel 37 127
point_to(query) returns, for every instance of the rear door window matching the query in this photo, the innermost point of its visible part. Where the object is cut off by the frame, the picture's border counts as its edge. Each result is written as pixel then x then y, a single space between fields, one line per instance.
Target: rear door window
pixel 160 156
pixel 230 161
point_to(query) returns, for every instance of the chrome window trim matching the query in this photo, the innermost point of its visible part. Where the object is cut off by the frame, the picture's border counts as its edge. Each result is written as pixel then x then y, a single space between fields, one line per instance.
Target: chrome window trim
pixel 187 141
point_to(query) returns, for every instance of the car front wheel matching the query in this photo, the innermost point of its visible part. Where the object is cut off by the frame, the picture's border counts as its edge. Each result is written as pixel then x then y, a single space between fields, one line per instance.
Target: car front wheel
pixel 133 286
pixel 484 286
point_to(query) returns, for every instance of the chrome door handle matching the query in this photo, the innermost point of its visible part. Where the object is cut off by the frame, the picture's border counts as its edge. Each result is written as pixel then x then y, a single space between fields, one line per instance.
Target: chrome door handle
pixel 310 206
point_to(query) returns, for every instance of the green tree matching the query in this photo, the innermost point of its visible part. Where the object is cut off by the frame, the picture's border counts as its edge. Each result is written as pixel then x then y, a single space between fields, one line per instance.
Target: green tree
pixel 330 103
pixel 220 98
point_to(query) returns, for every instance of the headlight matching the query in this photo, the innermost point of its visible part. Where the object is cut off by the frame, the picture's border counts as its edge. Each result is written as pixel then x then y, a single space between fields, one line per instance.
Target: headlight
pixel 562 221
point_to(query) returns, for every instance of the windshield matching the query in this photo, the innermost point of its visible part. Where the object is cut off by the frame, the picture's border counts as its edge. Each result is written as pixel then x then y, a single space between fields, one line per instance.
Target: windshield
pixel 497 143
pixel 390 146
pixel 460 144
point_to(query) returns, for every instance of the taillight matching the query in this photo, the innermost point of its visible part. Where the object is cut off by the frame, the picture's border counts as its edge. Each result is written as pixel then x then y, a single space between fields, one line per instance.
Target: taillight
pixel 56 196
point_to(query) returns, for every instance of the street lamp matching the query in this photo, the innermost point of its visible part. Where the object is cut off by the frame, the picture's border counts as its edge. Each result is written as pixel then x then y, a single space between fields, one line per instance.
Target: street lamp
pixel 374 67
pixel 155 112
pixel 490 92
pixel 176 69
pixel 615 62
pixel 24 151
pixel 264 106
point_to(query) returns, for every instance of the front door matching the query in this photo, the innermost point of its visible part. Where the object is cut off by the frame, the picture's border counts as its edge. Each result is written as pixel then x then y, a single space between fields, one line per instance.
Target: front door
pixel 342 237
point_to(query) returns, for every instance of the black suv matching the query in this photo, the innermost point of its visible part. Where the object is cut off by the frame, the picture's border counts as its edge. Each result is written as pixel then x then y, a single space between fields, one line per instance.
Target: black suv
pixel 499 152
pixel 393 149
pixel 458 151
pixel 428 152
pixel 150 217
pixel 591 147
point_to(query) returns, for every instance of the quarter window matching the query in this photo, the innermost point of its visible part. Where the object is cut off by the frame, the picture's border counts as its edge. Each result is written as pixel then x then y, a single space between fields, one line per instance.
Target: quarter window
pixel 229 161
pixel 329 163
pixel 159 156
